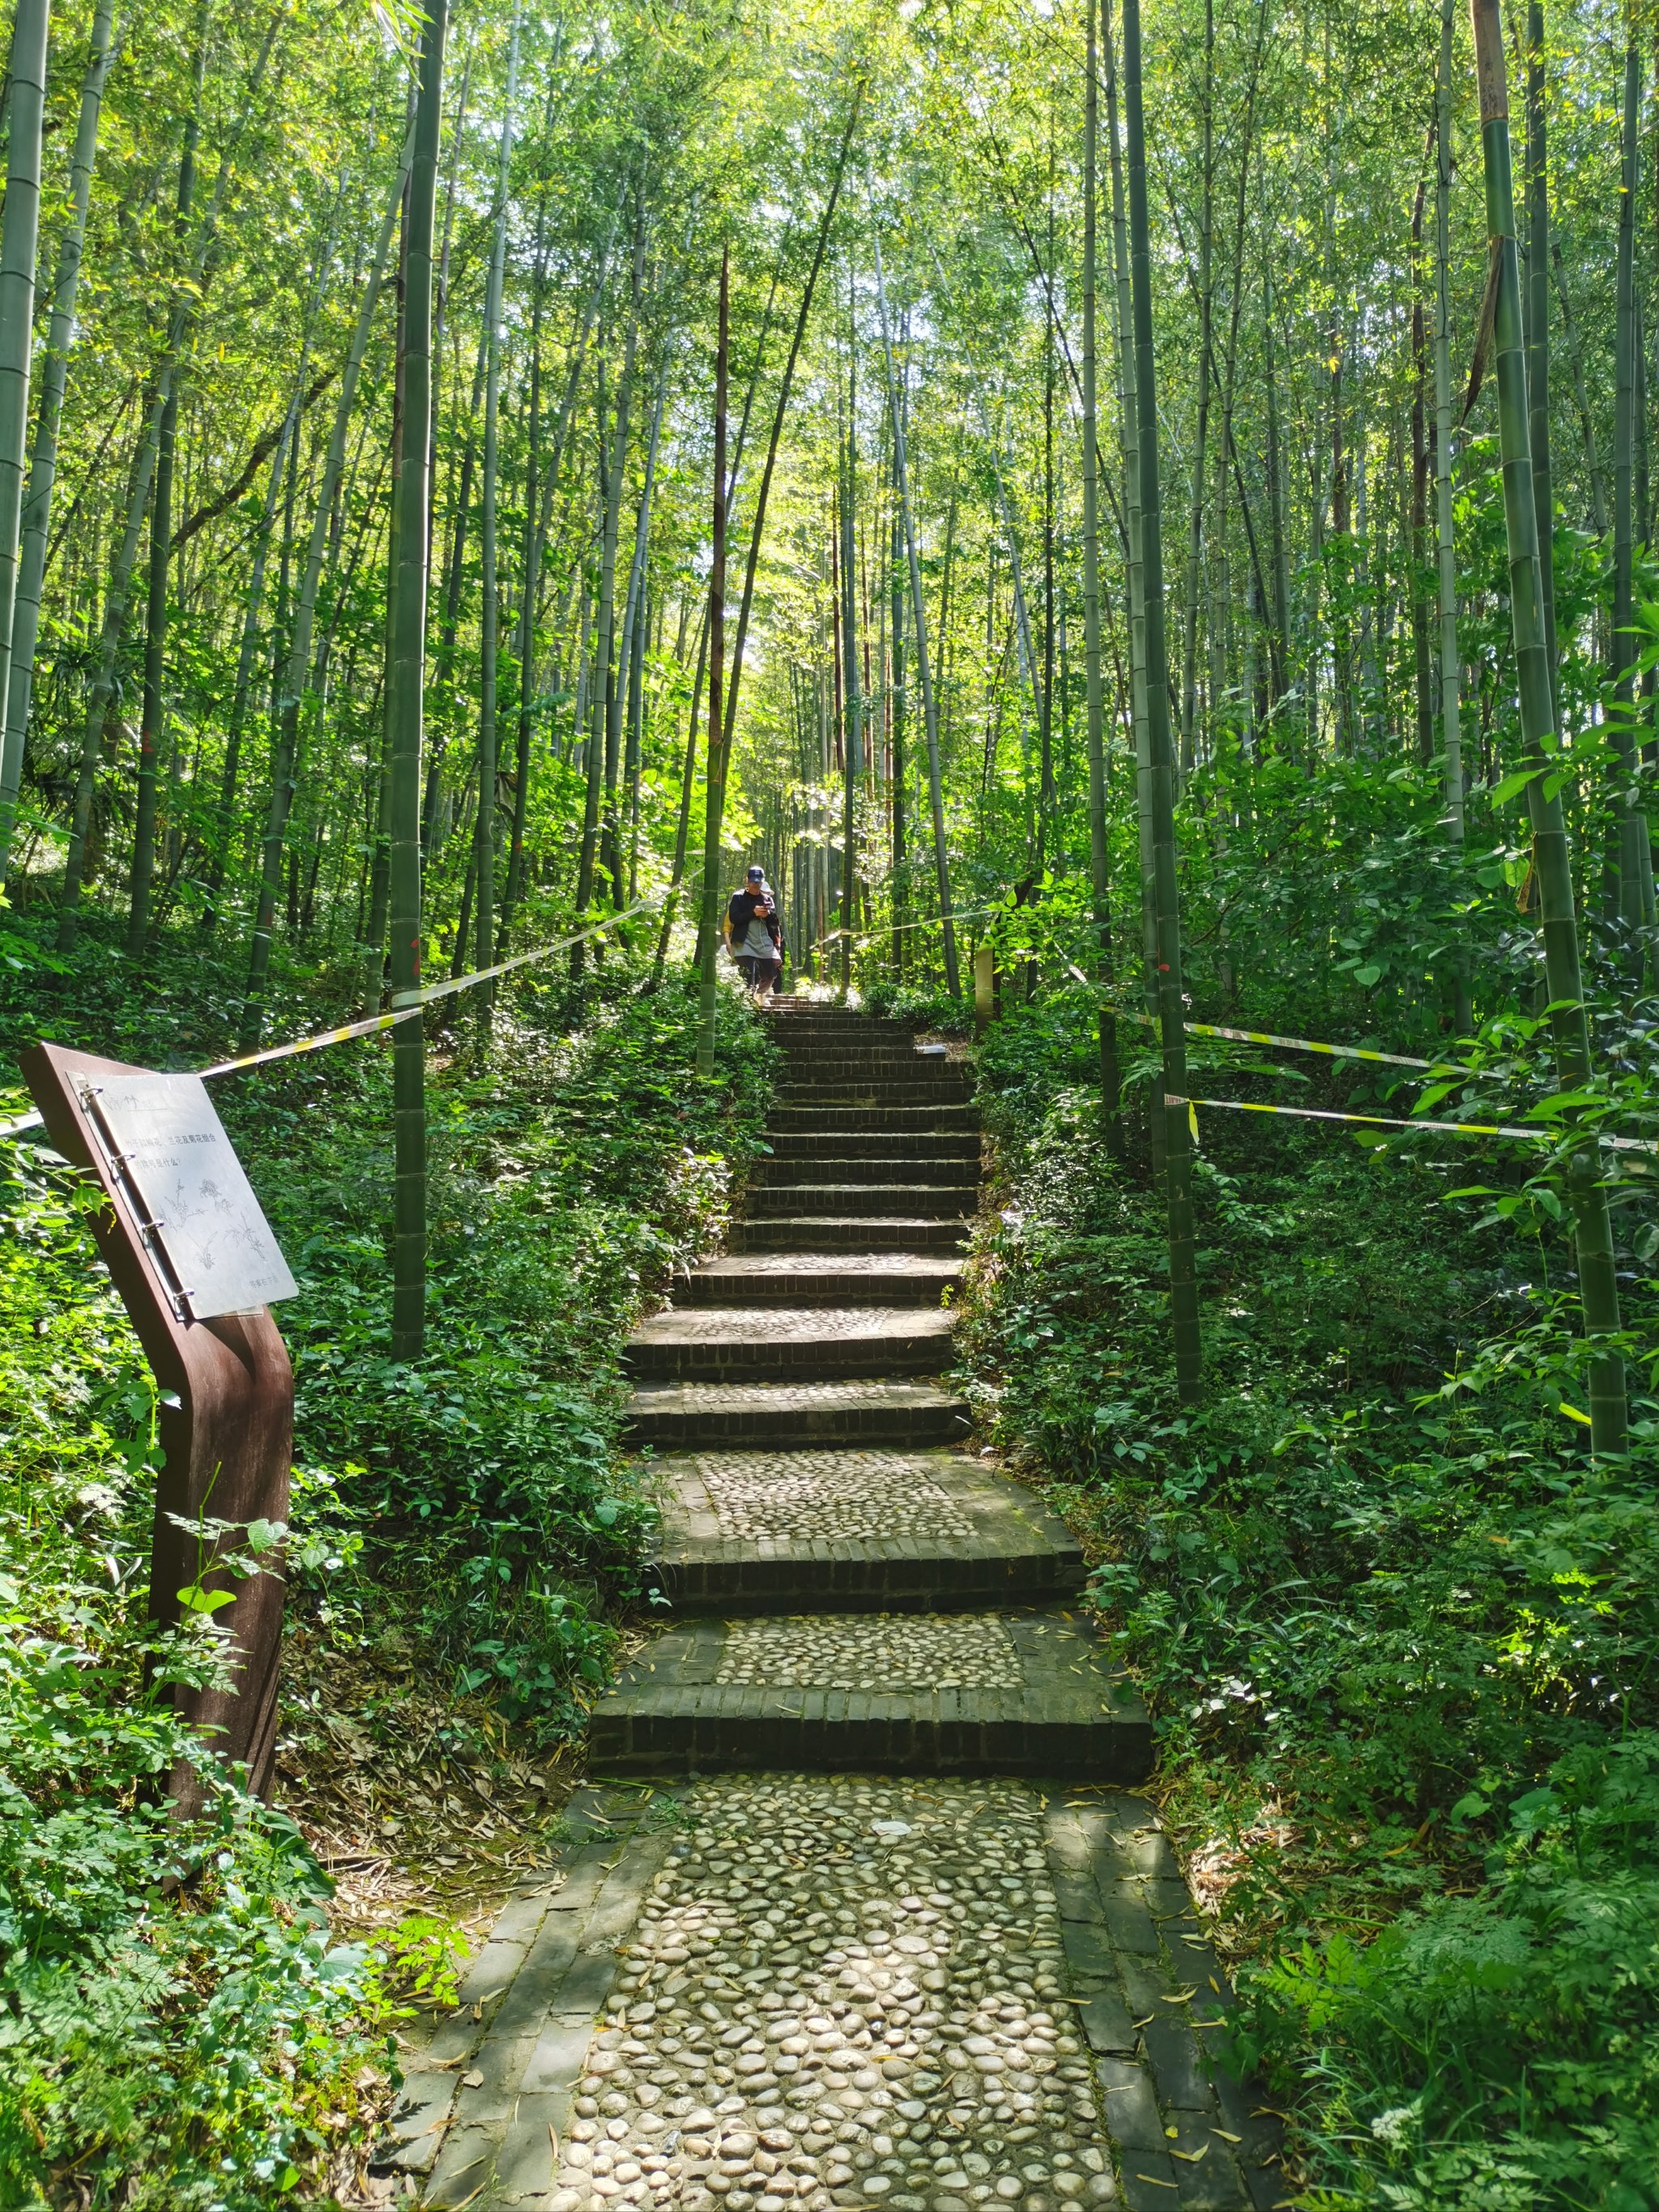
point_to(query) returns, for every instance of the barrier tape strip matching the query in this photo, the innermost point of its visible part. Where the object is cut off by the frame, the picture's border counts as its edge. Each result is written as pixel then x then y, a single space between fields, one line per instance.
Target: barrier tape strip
pixel 1386 1121
pixel 416 1005
pixel 1286 1044
pixel 935 921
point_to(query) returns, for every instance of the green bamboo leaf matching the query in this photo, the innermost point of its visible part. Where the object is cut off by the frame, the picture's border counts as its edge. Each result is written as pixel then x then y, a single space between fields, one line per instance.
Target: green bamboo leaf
pixel 1512 786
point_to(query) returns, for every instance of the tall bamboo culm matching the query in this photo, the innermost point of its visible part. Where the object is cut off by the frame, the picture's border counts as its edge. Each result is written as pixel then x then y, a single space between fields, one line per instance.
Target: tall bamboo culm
pixel 1111 1082
pixel 298 665
pixel 1177 1157
pixel 489 622
pixel 43 465
pixel 1552 854
pixel 19 240
pixel 714 779
pixel 1451 743
pixel 1124 332
pixel 1624 870
pixel 405 689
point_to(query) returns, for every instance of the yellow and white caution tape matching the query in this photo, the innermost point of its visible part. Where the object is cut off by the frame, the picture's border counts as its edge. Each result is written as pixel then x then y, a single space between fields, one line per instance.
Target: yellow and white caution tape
pixel 417 1003
pixel 1287 1043
pixel 1386 1121
pixel 933 921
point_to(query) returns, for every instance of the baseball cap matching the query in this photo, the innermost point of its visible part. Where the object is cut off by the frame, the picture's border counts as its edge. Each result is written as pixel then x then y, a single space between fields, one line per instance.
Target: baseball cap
pixel 756 875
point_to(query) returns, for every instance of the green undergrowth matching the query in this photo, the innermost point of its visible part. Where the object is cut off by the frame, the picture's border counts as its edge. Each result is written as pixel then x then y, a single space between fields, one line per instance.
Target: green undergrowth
pixel 1401 1639
pixel 177 2028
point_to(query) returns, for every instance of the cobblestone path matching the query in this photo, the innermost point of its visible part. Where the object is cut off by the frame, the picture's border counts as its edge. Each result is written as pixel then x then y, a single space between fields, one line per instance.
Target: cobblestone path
pixel 865 1911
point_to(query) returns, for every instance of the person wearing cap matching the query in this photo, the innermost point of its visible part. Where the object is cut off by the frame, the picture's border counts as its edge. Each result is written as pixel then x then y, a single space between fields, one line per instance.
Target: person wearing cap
pixel 754 934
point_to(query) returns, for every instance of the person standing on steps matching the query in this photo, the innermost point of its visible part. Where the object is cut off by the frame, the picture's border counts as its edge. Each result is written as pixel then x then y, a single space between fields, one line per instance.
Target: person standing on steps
pixel 754 935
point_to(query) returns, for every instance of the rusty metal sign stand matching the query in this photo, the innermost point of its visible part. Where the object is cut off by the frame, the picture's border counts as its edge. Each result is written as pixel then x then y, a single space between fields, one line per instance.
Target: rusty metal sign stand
pixel 226 1423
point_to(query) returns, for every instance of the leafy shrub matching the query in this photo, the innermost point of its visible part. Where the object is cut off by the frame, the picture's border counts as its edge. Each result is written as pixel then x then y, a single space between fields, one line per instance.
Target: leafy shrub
pixel 1373 1583
pixel 172 2012
pixel 176 2029
pixel 1500 2049
pixel 582 1163
pixel 923 1005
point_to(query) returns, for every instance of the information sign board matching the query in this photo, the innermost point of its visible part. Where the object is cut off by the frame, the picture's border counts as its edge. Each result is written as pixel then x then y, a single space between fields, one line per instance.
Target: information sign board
pixel 173 1152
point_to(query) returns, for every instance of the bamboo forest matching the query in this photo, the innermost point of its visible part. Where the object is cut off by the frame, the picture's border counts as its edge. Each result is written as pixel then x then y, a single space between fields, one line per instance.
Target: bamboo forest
pixel 829 1106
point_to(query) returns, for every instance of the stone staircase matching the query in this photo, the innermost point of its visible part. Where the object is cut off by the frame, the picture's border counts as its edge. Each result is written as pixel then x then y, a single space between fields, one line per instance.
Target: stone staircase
pixel 898 1938
pixel 865 1596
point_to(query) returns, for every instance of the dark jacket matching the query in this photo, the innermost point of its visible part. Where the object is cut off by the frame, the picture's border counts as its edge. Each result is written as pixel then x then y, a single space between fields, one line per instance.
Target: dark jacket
pixel 746 907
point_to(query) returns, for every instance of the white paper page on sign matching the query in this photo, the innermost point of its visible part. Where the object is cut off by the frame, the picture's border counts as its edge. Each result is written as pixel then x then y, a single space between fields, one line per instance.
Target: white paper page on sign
pixel 208 1222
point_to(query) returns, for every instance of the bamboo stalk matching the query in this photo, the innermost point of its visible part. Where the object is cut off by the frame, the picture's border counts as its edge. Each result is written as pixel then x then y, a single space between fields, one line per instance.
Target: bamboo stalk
pixel 484 831
pixel 1538 334
pixel 1451 743
pixel 1099 869
pixel 1177 1167
pixel 1624 870
pixel 20 235
pixel 714 781
pixel 924 667
pixel 298 671
pixel 1552 852
pixel 36 513
pixel 1134 578
pixel 852 697
pixel 405 694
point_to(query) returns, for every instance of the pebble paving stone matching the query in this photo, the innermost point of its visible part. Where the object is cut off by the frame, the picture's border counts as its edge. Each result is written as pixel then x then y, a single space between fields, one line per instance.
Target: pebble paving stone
pixel 1023 1693
pixel 842 1530
pixel 880 1652
pixel 826 1494
pixel 806 1986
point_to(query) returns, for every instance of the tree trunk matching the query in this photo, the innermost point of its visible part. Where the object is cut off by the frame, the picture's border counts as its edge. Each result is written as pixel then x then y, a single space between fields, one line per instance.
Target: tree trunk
pixel 1451 743
pixel 1422 659
pixel 298 672
pixel 490 621
pixel 1631 828
pixel 895 593
pixel 1552 852
pixel 230 771
pixel 19 240
pixel 1110 1081
pixel 1538 335
pixel 853 745
pixel 632 638
pixel 152 712
pixel 1135 585
pixel 1177 1166
pixel 599 701
pixel 405 689
pixel 613 637
pixel 1586 422
pixel 1196 534
pixel 924 671
pixel 714 807
pixel 721 729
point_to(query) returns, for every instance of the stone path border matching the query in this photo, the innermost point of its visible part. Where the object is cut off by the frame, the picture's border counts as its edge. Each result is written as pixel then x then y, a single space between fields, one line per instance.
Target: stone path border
pixel 492 2091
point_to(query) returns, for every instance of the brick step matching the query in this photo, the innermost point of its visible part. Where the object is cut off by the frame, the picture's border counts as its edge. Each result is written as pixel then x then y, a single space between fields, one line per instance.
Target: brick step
pixel 879 1060
pixel 786 1014
pixel 856 1531
pixel 796 1343
pixel 855 1232
pixel 901 1197
pixel 704 1416
pixel 798 1017
pixel 831 1165
pixel 851 1089
pixel 1019 1693
pixel 820 1278
pixel 961 1146
pixel 946 1117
